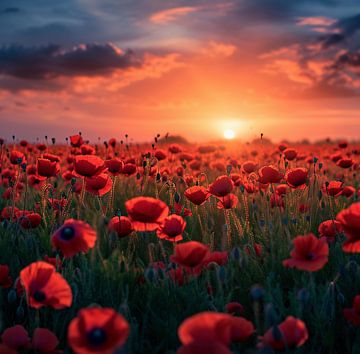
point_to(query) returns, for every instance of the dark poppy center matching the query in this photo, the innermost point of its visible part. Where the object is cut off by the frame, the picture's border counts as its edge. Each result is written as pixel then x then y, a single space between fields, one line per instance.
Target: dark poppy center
pixel 39 296
pixel 67 233
pixel 97 336
pixel 310 256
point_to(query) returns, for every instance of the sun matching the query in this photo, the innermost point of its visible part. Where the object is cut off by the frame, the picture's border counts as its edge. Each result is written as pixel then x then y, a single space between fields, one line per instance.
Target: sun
pixel 229 134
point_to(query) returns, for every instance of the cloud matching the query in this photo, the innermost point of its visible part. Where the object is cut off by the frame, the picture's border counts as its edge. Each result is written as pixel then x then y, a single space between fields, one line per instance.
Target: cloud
pixel 315 21
pixel 347 27
pixel 10 10
pixel 171 14
pixel 216 49
pixel 51 61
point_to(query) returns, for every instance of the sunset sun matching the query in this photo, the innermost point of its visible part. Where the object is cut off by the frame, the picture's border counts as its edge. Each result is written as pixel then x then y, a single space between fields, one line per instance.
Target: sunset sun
pixel 229 134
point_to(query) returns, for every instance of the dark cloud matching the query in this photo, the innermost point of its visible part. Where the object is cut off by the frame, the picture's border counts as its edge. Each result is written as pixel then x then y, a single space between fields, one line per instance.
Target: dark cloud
pixel 347 26
pixel 10 10
pixel 350 59
pixel 47 62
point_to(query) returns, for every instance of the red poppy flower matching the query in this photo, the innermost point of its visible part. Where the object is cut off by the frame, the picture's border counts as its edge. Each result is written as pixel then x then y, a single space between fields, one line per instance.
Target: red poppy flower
pixel 47 168
pixel 97 330
pixel 5 278
pixel 297 177
pixel 160 154
pixel 249 166
pixel 87 150
pixel 291 333
pixel 270 174
pixel 6 350
pixel 45 287
pixel 146 213
pixel 76 140
pixel 309 253
pixel 350 220
pixel 129 169
pixel 277 200
pixel 99 185
pixel 44 341
pixel 333 188
pixel 121 225
pixel 175 148
pixel 73 237
pixel 198 195
pixel 230 201
pixel 343 144
pixel 180 210
pixel 51 157
pixel 353 314
pixel 290 154
pixel 234 308
pixel 190 254
pixel 257 248
pixel 16 338
pixel 114 166
pixel 8 212
pixel 345 163
pixel 217 327
pixel 112 142
pixel 29 220
pixel 204 346
pixel 41 147
pixel 218 257
pixel 35 181
pixel 348 191
pixel 221 187
pixel 17 157
pixel 88 165
pixel 330 229
pixel 171 228
pixel 55 261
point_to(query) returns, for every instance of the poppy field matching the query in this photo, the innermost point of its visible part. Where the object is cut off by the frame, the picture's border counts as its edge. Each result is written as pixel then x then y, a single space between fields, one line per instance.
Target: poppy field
pixel 115 247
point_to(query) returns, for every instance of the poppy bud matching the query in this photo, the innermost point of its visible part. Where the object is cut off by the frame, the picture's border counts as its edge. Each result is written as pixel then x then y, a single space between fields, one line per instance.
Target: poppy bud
pixel 150 274
pixel 158 177
pixel 221 274
pixel 277 335
pixel 315 159
pixel 73 181
pixel 20 313
pixel 53 140
pixel 320 165
pixel 11 296
pixel 235 254
pixel 270 315
pixel 228 169
pixel 177 197
pixel 138 176
pixel 341 298
pixel 320 195
pixel 257 292
pixel 303 295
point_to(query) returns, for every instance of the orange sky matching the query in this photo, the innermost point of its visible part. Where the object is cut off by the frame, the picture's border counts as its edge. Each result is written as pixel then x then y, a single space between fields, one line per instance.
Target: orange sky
pixel 184 77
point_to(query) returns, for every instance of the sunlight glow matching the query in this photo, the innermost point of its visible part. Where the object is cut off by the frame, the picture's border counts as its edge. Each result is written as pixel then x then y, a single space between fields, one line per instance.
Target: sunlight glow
pixel 229 134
